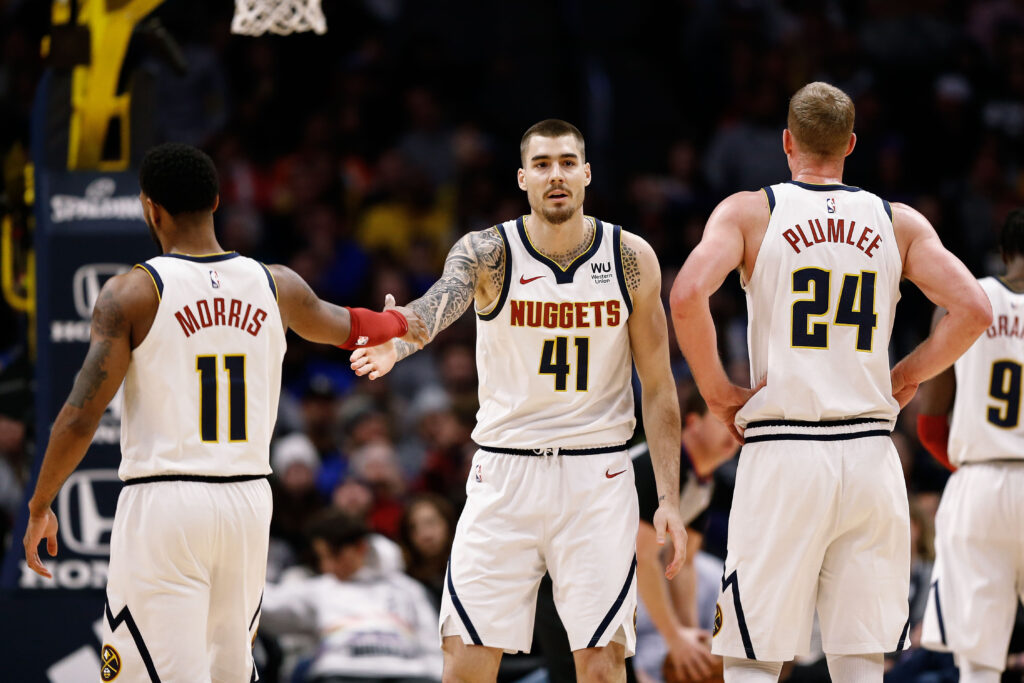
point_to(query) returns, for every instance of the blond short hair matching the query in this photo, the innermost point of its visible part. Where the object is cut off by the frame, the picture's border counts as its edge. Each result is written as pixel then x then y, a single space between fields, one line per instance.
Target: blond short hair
pixel 821 119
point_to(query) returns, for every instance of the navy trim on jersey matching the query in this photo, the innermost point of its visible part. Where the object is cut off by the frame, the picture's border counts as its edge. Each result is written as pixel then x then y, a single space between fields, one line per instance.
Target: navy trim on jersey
pixel 816 437
pixel 257 612
pixel 824 188
pixel 270 279
pixel 460 609
pixel 555 451
pixel 938 613
pixel 506 280
pixel 157 280
pixel 205 258
pixel 1008 287
pixel 770 194
pixel 562 277
pixel 822 423
pixel 888 209
pixel 903 635
pixel 619 274
pixel 125 617
pixel 741 621
pixel 615 606
pixel 194 477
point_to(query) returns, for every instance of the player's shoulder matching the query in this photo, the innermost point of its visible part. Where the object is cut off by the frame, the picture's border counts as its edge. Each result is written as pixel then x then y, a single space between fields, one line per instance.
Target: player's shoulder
pixel 746 206
pixel 133 288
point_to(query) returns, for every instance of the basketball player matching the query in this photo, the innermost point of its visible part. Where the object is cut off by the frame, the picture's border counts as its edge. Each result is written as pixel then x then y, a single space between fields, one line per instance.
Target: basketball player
pixel 197 335
pixel 820 518
pixel 979 543
pixel 565 305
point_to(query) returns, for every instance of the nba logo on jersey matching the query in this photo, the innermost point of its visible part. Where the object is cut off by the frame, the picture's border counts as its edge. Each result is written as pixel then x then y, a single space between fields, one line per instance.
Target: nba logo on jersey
pixel 214 279
pixel 479 474
pixel 830 204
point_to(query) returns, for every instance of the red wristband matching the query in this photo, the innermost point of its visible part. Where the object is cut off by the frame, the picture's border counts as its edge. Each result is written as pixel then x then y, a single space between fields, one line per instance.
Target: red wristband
pixel 370 328
pixel 933 432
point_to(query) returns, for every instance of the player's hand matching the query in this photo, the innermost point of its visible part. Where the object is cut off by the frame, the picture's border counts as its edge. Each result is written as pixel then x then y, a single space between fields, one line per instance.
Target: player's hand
pixel 728 402
pixel 375 361
pixel 902 388
pixel 689 654
pixel 40 526
pixel 418 335
pixel 668 519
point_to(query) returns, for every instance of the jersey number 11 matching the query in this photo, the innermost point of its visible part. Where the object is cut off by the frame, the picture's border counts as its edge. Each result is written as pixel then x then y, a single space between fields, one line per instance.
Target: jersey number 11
pixel 234 366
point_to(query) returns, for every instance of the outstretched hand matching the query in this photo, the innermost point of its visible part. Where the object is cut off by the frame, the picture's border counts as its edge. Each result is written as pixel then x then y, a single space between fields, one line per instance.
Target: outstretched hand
pixel 418 334
pixel 40 526
pixel 375 361
pixel 726 406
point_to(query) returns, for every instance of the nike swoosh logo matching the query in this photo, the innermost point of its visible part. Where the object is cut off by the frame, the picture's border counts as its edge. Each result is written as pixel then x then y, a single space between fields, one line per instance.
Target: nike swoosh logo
pixel 525 281
pixel 612 475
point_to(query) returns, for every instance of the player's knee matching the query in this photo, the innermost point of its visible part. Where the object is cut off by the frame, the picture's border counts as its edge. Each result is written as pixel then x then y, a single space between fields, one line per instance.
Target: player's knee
pixel 601 664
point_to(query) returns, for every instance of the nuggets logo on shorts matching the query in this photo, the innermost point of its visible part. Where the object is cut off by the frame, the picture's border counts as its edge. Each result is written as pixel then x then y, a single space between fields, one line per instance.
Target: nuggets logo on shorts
pixel 111 663
pixel 718 620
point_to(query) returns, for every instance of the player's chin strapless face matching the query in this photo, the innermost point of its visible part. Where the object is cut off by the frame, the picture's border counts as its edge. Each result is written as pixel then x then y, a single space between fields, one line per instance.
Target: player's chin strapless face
pixel 555 176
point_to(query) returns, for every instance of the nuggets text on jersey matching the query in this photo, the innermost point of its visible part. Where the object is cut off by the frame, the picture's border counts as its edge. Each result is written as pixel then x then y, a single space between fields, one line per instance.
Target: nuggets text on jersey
pixel 565 315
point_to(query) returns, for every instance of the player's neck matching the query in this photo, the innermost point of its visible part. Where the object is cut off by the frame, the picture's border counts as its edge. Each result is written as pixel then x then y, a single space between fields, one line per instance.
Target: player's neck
pixel 1014 276
pixel 557 240
pixel 816 171
pixel 195 241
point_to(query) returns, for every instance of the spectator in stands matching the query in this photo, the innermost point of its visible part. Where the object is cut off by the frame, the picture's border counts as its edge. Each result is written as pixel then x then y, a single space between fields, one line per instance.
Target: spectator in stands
pixel 425 534
pixel 372 622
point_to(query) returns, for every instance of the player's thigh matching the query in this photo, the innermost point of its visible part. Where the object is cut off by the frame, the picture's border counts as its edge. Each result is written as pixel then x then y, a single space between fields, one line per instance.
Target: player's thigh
pixel 591 550
pixel 865 576
pixel 784 505
pixel 469 663
pixel 155 617
pixel 238 577
pixel 496 563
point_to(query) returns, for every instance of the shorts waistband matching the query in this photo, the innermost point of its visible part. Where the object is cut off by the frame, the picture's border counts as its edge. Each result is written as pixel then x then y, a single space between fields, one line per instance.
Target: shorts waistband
pixel 994 461
pixel 826 430
pixel 555 450
pixel 234 479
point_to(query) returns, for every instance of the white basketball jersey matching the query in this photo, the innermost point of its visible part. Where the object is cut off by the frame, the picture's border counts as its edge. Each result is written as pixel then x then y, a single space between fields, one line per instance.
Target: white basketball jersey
pixel 201 393
pixel 553 352
pixel 987 409
pixel 820 306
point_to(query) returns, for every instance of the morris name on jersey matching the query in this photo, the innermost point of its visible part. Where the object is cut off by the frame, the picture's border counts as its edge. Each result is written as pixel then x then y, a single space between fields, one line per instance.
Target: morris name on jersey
pixel 220 312
pixel 835 231
pixel 565 315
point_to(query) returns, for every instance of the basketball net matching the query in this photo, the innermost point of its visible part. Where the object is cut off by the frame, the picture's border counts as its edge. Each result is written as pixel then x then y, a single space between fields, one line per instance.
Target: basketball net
pixel 256 17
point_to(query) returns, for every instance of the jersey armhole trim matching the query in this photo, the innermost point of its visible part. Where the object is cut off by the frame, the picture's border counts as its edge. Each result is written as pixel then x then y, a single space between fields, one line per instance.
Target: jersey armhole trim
pixel 495 308
pixel 270 279
pixel 619 275
pixel 888 209
pixel 158 283
pixel 770 194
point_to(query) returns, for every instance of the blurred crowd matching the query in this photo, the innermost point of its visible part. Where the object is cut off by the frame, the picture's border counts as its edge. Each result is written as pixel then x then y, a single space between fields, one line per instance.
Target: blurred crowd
pixel 358 158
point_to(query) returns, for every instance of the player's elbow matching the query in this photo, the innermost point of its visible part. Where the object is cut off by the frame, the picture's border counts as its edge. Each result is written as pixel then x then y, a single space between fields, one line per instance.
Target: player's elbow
pixel 977 314
pixel 685 297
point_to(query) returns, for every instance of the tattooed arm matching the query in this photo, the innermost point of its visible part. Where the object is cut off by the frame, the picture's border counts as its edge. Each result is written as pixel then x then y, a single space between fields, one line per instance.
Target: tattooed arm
pixel 474 269
pixel 648 340
pixel 127 301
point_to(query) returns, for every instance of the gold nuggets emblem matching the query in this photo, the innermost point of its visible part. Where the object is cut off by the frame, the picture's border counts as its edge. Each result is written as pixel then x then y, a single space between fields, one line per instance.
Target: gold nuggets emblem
pixel 718 620
pixel 111 663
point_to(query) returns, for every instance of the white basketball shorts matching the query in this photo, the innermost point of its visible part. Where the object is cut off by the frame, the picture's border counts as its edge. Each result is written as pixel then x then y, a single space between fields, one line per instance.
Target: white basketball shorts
pixel 574 516
pixel 979 564
pixel 188 561
pixel 819 521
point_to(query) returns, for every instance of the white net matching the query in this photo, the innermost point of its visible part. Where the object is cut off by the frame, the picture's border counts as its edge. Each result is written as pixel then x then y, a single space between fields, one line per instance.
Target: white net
pixel 256 17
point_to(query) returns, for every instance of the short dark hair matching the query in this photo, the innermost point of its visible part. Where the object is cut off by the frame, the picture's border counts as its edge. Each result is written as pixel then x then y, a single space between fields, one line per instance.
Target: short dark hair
pixel 552 128
pixel 1011 239
pixel 695 403
pixel 337 528
pixel 180 178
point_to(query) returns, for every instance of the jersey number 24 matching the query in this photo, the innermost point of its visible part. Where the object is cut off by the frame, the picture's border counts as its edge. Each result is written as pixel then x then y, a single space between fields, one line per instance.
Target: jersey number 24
pixel 855 308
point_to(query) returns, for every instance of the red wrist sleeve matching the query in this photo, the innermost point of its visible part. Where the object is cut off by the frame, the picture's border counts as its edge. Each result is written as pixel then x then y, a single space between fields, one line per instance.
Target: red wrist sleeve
pixel 370 328
pixel 933 432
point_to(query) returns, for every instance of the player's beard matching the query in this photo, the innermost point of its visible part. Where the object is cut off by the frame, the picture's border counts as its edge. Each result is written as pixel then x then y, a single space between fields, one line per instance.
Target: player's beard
pixel 557 216
pixel 152 232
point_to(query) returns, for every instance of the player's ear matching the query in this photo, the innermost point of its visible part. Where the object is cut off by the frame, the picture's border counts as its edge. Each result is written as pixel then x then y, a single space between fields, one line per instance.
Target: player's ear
pixel 787 141
pixel 851 145
pixel 522 179
pixel 586 174
pixel 216 203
